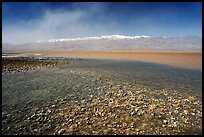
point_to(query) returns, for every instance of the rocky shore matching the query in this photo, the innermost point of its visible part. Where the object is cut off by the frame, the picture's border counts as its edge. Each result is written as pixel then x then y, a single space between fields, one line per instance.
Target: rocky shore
pixel 23 64
pixel 68 101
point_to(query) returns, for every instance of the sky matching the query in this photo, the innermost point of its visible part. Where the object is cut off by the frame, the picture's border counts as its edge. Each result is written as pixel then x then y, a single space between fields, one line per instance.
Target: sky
pixel 38 21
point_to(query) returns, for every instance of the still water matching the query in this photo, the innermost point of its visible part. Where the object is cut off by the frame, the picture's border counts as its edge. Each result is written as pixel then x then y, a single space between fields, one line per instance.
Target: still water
pixel 150 74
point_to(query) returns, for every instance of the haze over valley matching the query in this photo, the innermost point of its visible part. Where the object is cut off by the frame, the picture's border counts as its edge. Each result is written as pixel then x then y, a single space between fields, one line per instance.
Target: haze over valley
pixel 111 43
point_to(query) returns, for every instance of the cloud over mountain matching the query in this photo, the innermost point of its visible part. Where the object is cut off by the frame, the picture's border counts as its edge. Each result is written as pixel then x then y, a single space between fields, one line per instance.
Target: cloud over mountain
pixel 111 43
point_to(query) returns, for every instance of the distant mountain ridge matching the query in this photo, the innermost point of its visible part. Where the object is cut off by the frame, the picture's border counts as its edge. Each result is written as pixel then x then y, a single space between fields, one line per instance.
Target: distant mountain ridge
pixel 110 37
pixel 111 43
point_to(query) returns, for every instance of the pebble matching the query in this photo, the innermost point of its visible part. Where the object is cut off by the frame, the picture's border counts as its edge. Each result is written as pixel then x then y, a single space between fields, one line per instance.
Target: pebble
pixel 61 131
pixel 83 101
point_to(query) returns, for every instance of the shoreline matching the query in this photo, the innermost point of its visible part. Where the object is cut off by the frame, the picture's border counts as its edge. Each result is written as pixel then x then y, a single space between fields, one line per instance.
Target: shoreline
pixel 191 60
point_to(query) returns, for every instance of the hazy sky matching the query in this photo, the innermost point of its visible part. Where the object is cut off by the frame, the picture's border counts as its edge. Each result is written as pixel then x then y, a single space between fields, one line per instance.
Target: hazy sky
pixel 32 21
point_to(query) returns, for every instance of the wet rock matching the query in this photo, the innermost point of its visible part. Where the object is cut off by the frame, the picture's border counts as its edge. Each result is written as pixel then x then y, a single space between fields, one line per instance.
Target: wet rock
pixel 73 128
pixel 83 101
pixel 61 131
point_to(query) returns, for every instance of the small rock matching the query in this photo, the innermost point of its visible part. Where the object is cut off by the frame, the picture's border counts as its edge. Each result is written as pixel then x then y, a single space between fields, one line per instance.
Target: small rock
pixel 185 112
pixel 61 131
pixel 70 120
pixel 73 127
pixel 94 132
pixel 83 101
pixel 165 121
pixel 48 110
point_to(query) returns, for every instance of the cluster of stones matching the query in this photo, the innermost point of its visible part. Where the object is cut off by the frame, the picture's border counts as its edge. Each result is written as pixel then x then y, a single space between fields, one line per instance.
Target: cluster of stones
pixel 129 113
pixel 23 64
pixel 126 110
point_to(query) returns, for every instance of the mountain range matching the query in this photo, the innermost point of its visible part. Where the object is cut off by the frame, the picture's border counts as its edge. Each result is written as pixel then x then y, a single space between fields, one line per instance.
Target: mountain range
pixel 110 43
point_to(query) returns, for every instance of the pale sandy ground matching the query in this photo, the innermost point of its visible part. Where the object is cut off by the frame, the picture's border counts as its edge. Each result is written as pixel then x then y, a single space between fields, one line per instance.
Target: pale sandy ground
pixel 192 60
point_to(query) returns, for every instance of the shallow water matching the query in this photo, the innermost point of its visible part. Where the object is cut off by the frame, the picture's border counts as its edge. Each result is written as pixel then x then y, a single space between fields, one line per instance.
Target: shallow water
pixel 28 93
pixel 151 74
